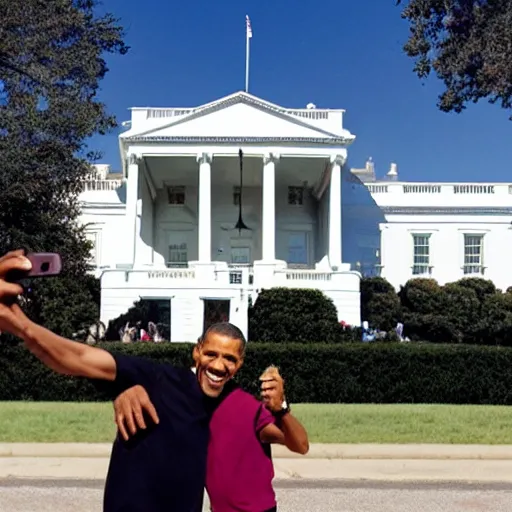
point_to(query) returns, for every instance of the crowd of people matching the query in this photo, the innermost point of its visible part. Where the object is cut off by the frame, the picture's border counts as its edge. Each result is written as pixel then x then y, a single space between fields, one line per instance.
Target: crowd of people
pixel 131 334
pixel 180 430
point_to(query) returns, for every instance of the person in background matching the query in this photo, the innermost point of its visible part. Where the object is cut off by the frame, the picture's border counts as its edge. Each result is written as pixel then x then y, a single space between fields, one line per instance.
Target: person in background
pixel 145 336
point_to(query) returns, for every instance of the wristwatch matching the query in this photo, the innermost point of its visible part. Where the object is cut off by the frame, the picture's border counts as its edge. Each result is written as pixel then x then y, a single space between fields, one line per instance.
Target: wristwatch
pixel 285 409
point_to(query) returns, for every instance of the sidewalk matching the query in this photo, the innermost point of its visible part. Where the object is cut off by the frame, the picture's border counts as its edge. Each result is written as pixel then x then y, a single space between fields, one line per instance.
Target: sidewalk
pixel 390 463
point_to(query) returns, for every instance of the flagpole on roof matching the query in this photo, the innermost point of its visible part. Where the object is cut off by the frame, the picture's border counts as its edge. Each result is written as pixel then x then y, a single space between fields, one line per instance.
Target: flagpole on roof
pixel 248 36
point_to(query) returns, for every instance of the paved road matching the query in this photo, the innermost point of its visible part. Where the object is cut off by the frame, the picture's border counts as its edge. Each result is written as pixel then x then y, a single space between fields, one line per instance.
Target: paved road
pixel 303 496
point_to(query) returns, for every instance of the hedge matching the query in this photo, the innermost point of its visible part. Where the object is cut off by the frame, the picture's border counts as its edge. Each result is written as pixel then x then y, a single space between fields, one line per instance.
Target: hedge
pixel 314 373
pixel 294 314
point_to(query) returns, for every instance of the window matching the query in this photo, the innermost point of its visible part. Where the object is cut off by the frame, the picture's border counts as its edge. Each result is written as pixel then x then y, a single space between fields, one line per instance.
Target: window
pixel 236 196
pixel 93 236
pixel 298 249
pixel 176 195
pixel 473 254
pixel 295 196
pixel 421 254
pixel 178 255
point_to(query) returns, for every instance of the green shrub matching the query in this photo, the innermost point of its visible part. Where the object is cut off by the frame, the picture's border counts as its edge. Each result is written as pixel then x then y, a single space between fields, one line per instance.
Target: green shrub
pixel 493 326
pixel 429 327
pixel 293 315
pixel 424 296
pixel 470 310
pixel 321 373
pixel 461 309
pixel 380 305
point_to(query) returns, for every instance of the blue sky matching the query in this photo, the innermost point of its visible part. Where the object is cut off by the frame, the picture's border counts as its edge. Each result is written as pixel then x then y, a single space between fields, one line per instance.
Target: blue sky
pixel 334 53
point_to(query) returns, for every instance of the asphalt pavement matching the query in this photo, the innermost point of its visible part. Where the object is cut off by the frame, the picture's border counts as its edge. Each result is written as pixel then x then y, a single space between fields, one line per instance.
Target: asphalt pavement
pixel 28 495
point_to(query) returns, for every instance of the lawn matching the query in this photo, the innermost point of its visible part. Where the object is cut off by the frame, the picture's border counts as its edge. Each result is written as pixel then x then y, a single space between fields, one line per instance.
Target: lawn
pixel 326 423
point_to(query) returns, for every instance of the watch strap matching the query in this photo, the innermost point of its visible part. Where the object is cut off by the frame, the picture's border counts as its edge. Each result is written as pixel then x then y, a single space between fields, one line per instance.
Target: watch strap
pixel 285 409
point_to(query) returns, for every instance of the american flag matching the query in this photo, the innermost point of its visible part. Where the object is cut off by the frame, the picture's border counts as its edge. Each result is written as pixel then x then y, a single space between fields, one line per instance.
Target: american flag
pixel 248 26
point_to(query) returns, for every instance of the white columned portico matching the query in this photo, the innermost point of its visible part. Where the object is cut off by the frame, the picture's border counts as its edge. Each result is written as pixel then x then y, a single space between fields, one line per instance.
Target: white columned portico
pixel 335 212
pixel 269 207
pixel 132 195
pixel 205 208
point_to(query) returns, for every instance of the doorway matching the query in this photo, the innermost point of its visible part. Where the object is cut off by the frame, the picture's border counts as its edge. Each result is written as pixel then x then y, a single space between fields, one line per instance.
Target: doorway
pixel 215 311
pixel 158 312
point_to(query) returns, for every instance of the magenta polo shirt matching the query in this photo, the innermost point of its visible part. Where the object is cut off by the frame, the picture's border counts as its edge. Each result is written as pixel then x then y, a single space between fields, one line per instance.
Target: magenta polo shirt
pixel 239 470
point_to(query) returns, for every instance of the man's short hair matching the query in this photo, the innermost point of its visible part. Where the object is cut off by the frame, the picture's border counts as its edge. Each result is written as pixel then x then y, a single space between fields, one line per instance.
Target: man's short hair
pixel 225 329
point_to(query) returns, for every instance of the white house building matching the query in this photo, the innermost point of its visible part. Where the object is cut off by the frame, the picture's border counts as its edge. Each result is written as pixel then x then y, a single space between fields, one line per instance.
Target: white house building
pixel 445 231
pixel 184 225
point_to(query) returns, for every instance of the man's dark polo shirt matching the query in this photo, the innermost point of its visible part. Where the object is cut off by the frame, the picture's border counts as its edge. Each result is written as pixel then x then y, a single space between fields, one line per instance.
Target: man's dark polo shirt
pixel 162 468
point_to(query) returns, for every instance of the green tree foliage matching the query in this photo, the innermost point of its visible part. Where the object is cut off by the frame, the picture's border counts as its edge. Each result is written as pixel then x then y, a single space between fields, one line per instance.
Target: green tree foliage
pixel 51 64
pixel 462 306
pixel 470 310
pixel 293 315
pixel 422 295
pixel 380 305
pixel 494 324
pixel 467 44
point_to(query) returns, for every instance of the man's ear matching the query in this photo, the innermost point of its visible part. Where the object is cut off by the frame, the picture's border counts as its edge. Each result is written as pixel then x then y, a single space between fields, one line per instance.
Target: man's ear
pixel 240 363
pixel 196 353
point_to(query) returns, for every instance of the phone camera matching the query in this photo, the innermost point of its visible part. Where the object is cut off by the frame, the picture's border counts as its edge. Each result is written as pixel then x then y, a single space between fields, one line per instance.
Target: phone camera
pixel 45 266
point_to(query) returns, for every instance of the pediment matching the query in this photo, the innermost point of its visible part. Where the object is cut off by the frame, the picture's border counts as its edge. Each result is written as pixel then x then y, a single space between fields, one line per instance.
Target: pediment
pixel 240 119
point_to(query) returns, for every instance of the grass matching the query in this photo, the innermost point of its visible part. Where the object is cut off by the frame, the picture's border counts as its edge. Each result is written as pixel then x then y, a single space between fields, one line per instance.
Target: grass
pixel 326 423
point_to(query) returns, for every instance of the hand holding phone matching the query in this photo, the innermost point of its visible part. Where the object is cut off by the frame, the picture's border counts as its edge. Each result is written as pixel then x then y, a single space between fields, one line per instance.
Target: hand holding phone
pixel 44 264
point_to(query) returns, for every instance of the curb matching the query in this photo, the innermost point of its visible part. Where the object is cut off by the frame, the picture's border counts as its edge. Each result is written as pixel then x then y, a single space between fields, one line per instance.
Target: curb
pixel 298 471
pixel 317 451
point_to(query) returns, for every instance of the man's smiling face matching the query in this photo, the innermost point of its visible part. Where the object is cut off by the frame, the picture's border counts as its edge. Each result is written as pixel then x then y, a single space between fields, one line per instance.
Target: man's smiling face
pixel 217 357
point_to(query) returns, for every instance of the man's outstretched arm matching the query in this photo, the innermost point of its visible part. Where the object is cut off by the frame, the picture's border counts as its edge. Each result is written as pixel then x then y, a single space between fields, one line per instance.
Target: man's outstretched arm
pixel 68 357
pixel 58 353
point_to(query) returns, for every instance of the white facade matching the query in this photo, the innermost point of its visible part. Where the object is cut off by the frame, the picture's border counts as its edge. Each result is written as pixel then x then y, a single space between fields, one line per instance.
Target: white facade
pixel 445 231
pixel 164 228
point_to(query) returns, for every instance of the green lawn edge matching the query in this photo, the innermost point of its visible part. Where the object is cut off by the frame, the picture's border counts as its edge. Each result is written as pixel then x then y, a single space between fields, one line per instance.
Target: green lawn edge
pixel 53 422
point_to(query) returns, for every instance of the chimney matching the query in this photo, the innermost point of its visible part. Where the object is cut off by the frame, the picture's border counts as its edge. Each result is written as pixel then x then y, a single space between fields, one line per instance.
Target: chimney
pixel 393 172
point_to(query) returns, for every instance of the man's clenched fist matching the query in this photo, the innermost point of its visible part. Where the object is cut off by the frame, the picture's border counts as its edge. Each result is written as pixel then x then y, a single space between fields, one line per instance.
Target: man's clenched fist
pixel 272 389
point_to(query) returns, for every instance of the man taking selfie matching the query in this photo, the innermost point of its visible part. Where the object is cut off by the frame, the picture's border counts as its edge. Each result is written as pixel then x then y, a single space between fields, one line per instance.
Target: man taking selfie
pixel 164 467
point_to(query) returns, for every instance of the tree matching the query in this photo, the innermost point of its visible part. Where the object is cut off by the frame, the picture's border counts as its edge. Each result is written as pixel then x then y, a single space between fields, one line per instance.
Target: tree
pixel 294 315
pixel 380 304
pixel 467 44
pixel 51 64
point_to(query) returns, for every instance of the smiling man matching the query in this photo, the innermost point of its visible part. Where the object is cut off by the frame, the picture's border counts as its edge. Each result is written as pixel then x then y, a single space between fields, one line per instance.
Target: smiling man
pixel 239 464
pixel 163 467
